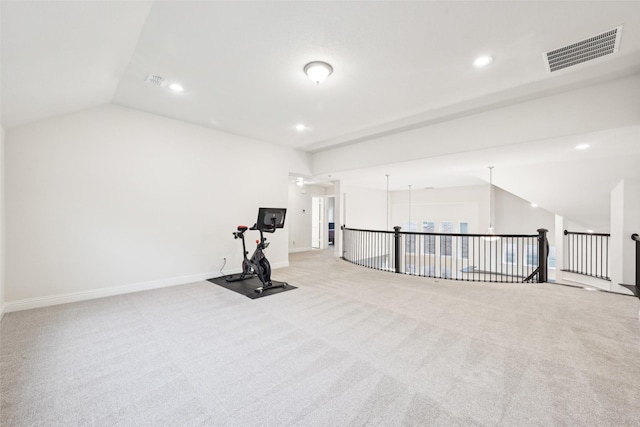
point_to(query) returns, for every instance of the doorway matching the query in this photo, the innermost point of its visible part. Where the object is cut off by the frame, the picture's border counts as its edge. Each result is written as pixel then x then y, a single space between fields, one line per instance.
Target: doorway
pixel 331 225
pixel 317 221
pixel 322 222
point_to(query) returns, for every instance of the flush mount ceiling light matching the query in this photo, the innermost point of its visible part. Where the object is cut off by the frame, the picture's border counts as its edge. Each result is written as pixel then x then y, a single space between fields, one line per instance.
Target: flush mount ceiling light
pixel 482 61
pixel 318 71
pixel 582 146
pixel 300 127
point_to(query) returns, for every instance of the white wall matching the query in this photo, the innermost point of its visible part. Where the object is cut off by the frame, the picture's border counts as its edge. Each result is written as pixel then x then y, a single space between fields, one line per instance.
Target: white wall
pixel 364 208
pixel 110 200
pixel 514 215
pixel 561 114
pixel 458 204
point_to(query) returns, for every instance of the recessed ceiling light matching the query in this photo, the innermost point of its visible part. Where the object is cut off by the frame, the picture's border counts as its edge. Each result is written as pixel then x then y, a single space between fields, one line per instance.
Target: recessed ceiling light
pixel 176 87
pixel 589 231
pixel 300 127
pixel 534 205
pixel 582 146
pixel 482 61
pixel 318 71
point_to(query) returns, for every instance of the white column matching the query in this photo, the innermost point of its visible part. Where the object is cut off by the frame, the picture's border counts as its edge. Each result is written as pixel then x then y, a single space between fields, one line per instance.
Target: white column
pixel 338 217
pixel 2 247
pixel 625 220
pixel 560 226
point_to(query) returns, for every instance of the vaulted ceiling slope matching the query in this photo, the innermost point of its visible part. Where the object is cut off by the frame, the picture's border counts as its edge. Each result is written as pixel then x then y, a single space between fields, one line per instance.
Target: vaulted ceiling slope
pixel 60 57
pixel 396 64
pixel 400 69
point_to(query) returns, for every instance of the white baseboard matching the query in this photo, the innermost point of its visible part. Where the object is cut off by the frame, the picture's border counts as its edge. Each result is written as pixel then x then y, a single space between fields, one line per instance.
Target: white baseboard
pixel 592 282
pixel 283 264
pixel 306 249
pixel 45 301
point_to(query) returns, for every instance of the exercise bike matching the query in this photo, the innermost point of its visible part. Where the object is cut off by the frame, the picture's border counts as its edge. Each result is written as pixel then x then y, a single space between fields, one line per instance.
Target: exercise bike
pixel 269 219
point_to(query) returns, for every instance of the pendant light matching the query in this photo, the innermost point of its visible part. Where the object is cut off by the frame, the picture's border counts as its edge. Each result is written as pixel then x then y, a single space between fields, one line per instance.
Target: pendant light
pixel 490 236
pixel 387 175
pixel 410 228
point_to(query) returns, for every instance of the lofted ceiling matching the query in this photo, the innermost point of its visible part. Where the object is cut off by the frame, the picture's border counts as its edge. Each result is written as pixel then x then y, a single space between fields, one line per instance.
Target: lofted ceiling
pixel 550 173
pixel 397 65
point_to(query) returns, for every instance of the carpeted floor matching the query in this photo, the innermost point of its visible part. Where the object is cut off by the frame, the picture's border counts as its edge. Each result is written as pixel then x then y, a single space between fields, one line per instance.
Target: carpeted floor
pixel 350 347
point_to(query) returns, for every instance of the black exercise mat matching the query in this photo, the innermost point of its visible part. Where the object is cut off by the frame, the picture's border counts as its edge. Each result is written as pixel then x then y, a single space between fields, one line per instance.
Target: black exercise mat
pixel 247 287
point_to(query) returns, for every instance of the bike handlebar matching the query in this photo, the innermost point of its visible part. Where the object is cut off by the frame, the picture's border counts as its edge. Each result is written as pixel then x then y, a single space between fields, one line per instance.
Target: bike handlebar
pixel 264 230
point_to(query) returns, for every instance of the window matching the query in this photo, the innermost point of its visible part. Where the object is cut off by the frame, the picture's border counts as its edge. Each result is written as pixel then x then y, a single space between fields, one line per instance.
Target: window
pixel 464 241
pixel 410 239
pixel 429 241
pixel 446 241
pixel 531 255
pixel 510 253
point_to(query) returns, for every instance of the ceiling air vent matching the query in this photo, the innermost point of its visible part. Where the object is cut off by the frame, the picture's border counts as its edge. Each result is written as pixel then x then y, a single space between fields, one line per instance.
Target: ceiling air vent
pixel 155 80
pixel 602 44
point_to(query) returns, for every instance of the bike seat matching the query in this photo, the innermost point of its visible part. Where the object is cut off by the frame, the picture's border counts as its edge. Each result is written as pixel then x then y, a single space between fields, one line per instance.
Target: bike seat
pixel 242 228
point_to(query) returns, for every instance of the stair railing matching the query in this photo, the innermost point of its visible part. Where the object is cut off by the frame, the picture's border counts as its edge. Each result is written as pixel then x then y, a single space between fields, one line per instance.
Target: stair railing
pixel 502 258
pixel 587 254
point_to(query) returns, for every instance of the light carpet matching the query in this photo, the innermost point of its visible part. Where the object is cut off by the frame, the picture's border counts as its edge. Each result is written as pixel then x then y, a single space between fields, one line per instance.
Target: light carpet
pixel 350 347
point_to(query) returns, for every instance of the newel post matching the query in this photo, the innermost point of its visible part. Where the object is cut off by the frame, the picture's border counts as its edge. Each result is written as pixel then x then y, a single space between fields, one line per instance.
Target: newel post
pixel 543 254
pixel 396 247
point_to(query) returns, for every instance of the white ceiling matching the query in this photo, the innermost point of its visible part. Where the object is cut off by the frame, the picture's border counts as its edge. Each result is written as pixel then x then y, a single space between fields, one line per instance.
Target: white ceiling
pixel 61 57
pixel 241 62
pixel 551 173
pixel 397 65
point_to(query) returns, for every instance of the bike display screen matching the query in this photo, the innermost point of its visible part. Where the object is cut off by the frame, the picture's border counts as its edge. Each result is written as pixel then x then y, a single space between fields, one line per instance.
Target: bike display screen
pixel 270 218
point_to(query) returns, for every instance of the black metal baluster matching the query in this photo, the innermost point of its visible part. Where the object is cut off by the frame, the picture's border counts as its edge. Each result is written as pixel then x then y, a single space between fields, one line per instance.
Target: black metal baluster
pixel 600 247
pixel 420 256
pixel 590 266
pixel 474 261
pixel 607 263
pixel 575 253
